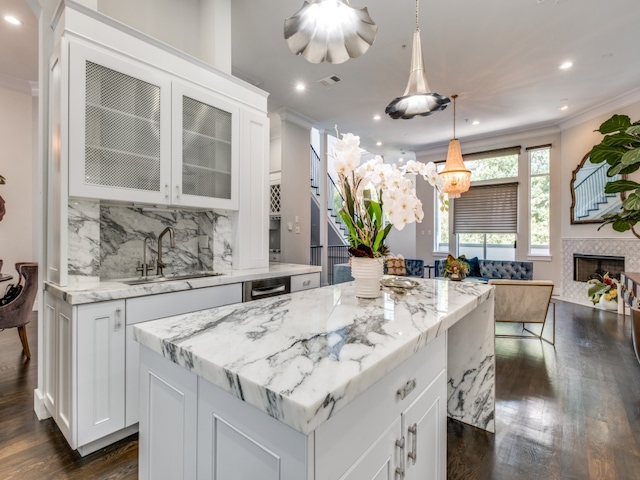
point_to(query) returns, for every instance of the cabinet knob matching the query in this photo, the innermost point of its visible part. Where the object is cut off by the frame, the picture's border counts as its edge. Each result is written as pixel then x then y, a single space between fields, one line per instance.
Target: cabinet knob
pixel 406 389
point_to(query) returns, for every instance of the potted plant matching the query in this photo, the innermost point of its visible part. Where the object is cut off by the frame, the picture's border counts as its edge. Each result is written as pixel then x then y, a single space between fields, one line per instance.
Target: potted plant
pixel 620 148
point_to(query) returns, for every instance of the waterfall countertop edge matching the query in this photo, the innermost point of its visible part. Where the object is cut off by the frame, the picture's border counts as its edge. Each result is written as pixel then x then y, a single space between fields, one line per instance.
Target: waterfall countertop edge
pixel 302 357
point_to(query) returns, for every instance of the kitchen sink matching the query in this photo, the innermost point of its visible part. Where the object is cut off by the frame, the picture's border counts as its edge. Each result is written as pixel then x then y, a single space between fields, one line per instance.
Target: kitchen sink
pixel 169 278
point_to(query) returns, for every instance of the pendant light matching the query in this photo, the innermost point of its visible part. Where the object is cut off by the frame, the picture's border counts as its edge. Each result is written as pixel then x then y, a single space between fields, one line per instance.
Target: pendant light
pixel 457 179
pixel 418 98
pixel 329 30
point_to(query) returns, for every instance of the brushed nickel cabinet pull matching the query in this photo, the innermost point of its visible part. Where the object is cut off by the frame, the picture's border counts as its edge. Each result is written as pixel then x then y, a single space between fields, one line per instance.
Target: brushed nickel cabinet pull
pixel 406 389
pixel 413 454
pixel 400 469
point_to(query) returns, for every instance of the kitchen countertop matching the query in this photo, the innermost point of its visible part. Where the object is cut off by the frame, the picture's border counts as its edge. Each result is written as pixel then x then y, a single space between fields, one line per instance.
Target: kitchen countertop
pixel 114 290
pixel 304 356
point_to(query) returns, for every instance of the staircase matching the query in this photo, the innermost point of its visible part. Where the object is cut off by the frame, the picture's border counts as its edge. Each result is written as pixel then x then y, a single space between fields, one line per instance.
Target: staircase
pixel 590 199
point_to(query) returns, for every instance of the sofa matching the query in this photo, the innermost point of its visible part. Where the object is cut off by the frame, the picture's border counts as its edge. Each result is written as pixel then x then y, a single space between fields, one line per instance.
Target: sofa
pixel 496 269
pixel 342 271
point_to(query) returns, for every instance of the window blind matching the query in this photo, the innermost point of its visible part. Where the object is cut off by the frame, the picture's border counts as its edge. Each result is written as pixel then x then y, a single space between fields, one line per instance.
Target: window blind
pixel 487 209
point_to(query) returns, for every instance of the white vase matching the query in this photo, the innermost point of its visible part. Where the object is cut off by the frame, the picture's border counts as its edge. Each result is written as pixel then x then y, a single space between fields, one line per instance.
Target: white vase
pixel 608 304
pixel 367 273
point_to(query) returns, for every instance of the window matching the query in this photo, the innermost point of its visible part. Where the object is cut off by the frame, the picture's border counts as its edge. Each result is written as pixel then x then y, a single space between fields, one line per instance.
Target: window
pixel 539 182
pixel 485 220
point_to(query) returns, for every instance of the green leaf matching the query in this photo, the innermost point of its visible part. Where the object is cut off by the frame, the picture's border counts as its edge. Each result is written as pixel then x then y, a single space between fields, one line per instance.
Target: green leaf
pixel 620 186
pixel 632 202
pixel 621 226
pixel 634 130
pixel 348 221
pixel 631 157
pixel 606 153
pixel 620 139
pixel 615 124
pixel 617 169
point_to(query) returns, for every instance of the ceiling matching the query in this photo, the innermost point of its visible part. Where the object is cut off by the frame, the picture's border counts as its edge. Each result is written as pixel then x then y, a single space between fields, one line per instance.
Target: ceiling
pixel 500 56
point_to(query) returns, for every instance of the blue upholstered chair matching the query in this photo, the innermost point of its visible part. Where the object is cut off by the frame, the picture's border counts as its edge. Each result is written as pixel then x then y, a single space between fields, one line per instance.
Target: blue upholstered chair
pixel 415 267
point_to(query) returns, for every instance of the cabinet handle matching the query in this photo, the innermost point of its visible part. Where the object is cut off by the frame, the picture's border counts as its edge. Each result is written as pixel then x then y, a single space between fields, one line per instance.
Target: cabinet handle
pixel 306 283
pixel 413 454
pixel 118 322
pixel 177 191
pixel 406 389
pixel 400 469
pixel 166 190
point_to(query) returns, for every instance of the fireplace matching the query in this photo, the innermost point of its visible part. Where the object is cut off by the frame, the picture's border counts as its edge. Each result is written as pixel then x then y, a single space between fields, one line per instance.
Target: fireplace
pixel 586 267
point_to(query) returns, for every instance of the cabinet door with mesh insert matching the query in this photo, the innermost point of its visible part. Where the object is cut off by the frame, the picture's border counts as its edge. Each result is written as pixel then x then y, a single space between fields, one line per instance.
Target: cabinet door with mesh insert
pixel 205 139
pixel 119 128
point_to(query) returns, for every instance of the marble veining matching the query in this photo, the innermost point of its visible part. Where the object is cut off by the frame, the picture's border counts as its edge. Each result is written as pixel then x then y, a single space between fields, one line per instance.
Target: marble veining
pixel 106 241
pixel 84 292
pixel 302 357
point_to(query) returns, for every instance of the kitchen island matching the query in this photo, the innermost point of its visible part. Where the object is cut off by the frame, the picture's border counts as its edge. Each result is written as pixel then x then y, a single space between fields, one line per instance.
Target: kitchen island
pixel 316 384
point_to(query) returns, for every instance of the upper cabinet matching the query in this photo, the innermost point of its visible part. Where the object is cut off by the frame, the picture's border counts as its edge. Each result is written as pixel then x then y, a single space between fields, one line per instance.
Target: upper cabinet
pixel 138 134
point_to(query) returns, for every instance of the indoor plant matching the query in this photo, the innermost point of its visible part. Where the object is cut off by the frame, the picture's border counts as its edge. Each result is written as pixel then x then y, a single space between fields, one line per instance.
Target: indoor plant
pixel 603 291
pixel 620 148
pixel 456 268
pixel 376 197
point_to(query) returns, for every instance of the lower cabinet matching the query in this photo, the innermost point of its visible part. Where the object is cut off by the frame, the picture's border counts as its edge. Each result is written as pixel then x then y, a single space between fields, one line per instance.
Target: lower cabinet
pixel 91 375
pixel 395 430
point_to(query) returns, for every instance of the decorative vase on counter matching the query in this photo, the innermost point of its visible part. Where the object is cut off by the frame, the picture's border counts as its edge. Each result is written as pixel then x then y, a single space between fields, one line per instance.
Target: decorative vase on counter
pixel 367 273
pixel 456 277
pixel 608 304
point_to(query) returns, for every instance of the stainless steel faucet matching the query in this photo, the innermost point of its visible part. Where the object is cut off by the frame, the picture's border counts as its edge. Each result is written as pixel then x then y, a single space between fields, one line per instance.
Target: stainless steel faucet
pixel 144 268
pixel 172 243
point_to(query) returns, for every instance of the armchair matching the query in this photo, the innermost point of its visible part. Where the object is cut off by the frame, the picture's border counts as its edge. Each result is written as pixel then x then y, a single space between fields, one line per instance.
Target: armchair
pixel 526 302
pixel 18 312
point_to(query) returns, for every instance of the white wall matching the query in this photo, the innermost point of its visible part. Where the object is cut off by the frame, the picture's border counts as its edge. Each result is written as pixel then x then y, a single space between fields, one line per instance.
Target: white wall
pixel 577 141
pixel 16 165
pixel 201 28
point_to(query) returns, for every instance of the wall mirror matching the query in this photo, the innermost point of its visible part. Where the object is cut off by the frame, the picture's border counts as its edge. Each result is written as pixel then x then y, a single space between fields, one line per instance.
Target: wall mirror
pixel 588 200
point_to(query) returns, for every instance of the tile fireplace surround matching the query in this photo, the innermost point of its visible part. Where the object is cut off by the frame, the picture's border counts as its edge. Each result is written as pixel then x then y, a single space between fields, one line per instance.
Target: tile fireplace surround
pixel 629 248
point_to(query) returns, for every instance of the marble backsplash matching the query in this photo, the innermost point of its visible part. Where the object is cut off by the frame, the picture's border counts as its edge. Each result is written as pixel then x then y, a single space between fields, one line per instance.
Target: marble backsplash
pixel 106 241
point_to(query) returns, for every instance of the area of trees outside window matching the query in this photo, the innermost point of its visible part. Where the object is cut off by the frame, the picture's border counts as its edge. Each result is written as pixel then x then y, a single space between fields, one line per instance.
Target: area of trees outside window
pixel 484 246
pixel 539 177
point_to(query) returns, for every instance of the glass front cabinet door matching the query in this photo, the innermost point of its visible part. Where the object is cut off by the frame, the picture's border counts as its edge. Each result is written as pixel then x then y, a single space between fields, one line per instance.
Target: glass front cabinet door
pixel 137 134
pixel 205 149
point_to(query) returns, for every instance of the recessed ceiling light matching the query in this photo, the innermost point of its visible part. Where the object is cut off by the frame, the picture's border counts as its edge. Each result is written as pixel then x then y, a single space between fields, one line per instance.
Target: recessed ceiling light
pixel 566 65
pixel 378 144
pixel 475 122
pixel 564 107
pixel 12 20
pixel 300 87
pixel 376 117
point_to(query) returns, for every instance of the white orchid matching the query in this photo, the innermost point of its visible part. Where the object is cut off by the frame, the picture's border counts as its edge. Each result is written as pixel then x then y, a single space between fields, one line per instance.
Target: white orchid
pixel 375 189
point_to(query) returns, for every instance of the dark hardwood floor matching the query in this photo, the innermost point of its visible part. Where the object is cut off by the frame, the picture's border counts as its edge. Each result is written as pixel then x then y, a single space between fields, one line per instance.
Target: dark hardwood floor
pixel 32 449
pixel 568 413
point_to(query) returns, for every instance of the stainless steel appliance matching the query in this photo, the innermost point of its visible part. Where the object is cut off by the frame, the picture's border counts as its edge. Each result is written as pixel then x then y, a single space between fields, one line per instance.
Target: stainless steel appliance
pixel 268 287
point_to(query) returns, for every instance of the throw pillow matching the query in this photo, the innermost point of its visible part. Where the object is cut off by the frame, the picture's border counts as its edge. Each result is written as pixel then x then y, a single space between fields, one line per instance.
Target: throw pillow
pixel 474 265
pixel 396 266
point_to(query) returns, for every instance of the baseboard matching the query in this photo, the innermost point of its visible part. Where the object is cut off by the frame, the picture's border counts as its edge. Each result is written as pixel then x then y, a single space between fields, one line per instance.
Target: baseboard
pixel 108 440
pixel 38 405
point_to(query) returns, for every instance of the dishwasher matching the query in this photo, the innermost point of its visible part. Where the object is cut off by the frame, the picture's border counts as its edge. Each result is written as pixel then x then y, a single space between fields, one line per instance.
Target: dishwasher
pixel 267 287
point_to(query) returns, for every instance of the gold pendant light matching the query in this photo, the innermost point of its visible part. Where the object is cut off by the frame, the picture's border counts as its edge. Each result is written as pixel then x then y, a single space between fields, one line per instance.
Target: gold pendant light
pixel 457 179
pixel 418 98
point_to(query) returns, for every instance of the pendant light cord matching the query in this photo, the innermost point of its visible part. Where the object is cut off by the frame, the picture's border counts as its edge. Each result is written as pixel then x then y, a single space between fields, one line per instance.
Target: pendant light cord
pixel 454 96
pixel 417 7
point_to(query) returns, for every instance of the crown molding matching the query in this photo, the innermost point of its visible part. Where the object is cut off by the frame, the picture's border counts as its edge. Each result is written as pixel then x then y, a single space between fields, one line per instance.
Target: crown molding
pixel 296 118
pixel 606 108
pixel 19 85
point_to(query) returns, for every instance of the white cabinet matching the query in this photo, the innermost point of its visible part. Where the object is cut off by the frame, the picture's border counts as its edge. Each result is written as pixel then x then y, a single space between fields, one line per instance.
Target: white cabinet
pixel 138 134
pixel 144 309
pixel 59 356
pixel 393 431
pixel 305 282
pixel 101 380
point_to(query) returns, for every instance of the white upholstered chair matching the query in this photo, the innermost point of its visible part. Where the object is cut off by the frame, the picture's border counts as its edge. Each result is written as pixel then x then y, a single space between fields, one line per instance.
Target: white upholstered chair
pixel 525 302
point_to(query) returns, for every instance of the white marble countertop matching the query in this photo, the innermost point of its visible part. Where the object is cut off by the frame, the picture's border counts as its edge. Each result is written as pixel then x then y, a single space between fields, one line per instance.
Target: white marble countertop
pixel 114 290
pixel 302 357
